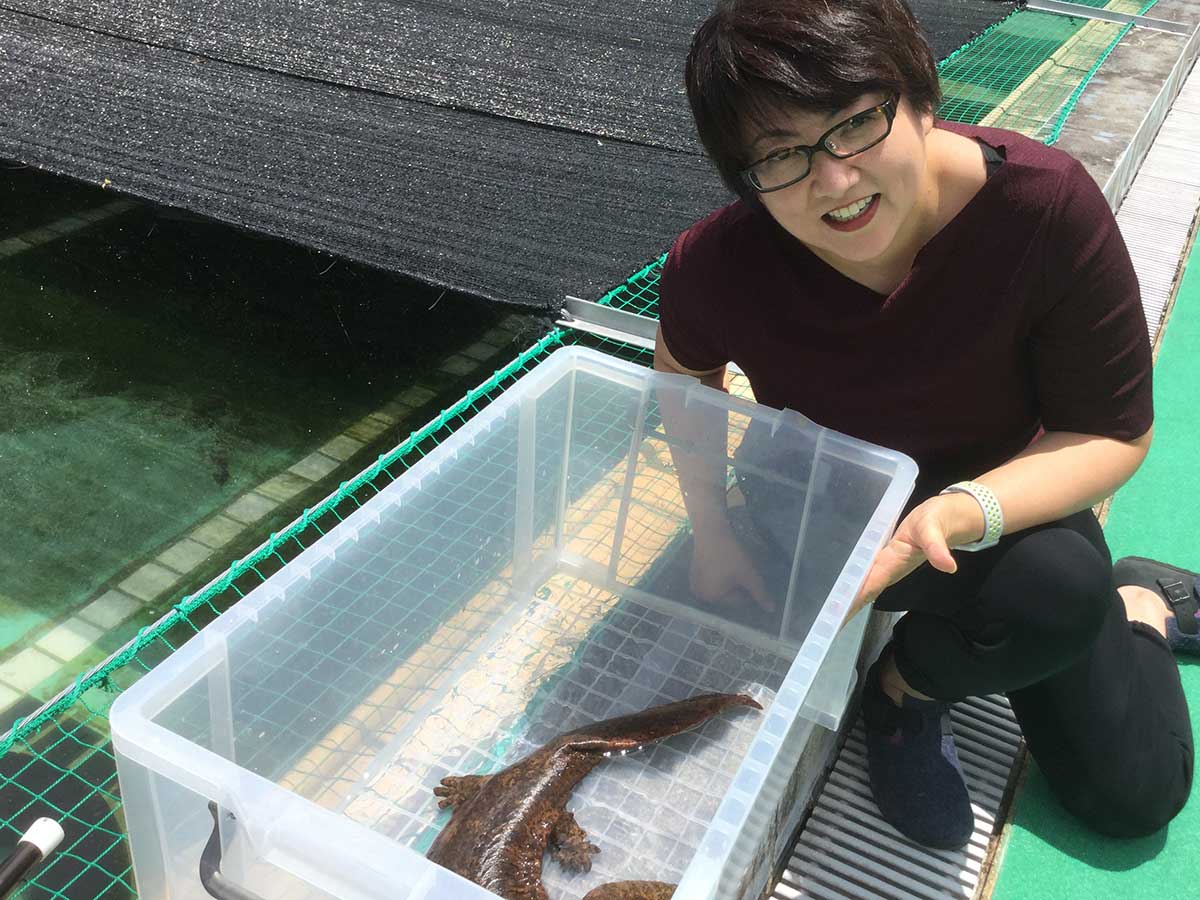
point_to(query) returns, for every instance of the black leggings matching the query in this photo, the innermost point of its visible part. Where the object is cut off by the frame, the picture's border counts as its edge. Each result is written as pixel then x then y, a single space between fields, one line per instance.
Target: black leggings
pixel 1098 698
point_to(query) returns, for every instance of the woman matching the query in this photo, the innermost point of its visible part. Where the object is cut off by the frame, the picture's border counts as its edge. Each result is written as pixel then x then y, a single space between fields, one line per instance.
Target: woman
pixel 961 294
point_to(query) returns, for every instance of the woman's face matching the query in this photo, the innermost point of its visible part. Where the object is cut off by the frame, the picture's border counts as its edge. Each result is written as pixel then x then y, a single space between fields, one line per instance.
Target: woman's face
pixel 852 209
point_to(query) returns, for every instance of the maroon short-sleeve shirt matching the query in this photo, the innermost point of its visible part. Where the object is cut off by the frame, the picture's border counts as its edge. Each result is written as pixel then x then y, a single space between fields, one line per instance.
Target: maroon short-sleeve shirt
pixel 1022 314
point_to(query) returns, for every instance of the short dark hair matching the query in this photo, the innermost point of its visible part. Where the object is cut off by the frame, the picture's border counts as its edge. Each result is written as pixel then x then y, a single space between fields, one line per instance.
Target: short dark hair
pixel 752 59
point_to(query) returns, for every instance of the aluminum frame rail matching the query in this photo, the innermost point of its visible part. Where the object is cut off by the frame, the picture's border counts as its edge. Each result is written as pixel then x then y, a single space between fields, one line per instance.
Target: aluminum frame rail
pixel 1082 11
pixel 1158 212
pixel 1130 161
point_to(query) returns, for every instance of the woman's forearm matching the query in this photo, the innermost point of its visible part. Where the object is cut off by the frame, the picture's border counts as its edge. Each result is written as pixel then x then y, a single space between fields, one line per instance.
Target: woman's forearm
pixel 698 443
pixel 1059 474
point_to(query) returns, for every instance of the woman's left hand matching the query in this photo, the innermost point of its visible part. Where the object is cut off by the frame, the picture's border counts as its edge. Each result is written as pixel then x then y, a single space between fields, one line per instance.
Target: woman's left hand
pixel 925 535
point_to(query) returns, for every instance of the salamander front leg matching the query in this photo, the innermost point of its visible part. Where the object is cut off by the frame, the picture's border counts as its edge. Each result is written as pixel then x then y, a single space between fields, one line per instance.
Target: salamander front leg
pixel 569 844
pixel 456 790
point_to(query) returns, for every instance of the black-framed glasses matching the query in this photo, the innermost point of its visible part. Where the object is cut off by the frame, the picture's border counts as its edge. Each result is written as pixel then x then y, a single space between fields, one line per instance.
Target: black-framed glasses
pixel 859 133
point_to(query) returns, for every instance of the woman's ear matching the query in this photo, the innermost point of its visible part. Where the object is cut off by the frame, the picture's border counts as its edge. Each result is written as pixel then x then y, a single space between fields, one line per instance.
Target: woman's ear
pixel 924 117
pixel 927 122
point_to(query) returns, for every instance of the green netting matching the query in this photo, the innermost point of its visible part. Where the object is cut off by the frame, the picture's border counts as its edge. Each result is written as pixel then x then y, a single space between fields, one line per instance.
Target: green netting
pixel 1026 73
pixel 58 762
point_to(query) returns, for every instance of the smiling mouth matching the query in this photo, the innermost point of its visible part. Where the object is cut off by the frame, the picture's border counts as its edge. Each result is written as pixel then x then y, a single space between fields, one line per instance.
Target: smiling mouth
pixel 852 211
pixel 853 216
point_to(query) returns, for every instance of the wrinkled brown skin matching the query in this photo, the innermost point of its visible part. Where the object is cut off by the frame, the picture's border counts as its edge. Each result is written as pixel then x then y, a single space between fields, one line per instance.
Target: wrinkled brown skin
pixel 504 823
pixel 632 890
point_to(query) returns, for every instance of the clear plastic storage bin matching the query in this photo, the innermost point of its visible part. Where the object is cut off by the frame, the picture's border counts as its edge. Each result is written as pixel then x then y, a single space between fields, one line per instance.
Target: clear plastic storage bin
pixel 527 577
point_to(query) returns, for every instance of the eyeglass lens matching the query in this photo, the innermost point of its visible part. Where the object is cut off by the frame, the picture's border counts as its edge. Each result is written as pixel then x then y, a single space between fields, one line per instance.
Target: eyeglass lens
pixel 858 133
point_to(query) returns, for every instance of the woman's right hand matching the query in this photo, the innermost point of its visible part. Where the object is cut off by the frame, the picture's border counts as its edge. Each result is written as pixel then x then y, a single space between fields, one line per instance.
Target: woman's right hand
pixel 721 566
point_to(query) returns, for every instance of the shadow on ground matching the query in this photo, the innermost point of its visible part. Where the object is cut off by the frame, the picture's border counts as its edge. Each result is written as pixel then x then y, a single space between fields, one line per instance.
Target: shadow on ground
pixel 1041 815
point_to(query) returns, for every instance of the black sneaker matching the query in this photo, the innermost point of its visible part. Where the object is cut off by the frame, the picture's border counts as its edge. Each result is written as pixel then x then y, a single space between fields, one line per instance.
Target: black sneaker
pixel 916 777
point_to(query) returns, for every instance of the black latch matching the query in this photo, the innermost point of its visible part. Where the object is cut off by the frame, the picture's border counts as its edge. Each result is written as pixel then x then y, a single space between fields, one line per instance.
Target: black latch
pixel 1175 591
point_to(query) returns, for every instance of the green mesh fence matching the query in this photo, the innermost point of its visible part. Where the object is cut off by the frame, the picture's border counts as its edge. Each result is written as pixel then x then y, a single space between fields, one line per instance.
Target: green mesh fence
pixel 59 761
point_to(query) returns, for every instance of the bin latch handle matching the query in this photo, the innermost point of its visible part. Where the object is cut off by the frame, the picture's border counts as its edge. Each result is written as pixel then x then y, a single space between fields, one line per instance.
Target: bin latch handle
pixel 210 866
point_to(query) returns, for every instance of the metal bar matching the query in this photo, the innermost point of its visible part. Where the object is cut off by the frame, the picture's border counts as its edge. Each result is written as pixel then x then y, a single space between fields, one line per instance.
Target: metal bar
pixel 615 324
pixel 605 321
pixel 1127 166
pixel 1080 11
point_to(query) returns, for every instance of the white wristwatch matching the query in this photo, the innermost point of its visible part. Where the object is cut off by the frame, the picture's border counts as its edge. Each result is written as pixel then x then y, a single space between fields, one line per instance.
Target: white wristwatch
pixel 993 517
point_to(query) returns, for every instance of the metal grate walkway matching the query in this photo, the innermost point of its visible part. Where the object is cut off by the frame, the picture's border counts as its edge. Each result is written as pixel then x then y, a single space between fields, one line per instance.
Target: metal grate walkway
pixel 848 852
pixel 1157 214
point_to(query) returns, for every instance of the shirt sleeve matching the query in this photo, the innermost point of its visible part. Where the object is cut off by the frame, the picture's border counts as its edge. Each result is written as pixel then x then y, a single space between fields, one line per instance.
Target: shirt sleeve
pixel 1090 346
pixel 688 307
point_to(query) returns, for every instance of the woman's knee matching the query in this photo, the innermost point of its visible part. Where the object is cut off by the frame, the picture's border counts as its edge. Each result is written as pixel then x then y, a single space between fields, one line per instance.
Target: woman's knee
pixel 1132 787
pixel 1055 581
pixel 1134 810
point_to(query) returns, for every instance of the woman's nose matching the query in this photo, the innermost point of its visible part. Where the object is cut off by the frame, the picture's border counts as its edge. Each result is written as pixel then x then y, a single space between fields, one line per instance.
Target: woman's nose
pixel 832 177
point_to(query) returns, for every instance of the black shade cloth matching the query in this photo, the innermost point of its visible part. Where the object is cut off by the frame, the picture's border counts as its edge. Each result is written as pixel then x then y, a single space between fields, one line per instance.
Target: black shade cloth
pixel 520 151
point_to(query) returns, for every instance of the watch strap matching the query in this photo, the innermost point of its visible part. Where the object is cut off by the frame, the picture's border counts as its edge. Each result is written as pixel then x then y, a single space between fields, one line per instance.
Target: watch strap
pixel 993 516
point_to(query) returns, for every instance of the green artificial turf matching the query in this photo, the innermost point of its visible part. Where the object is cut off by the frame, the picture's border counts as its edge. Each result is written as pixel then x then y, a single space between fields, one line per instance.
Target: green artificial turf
pixel 1050 854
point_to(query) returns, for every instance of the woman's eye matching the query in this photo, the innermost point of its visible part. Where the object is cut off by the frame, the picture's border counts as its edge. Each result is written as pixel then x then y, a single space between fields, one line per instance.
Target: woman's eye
pixel 779 155
pixel 861 119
